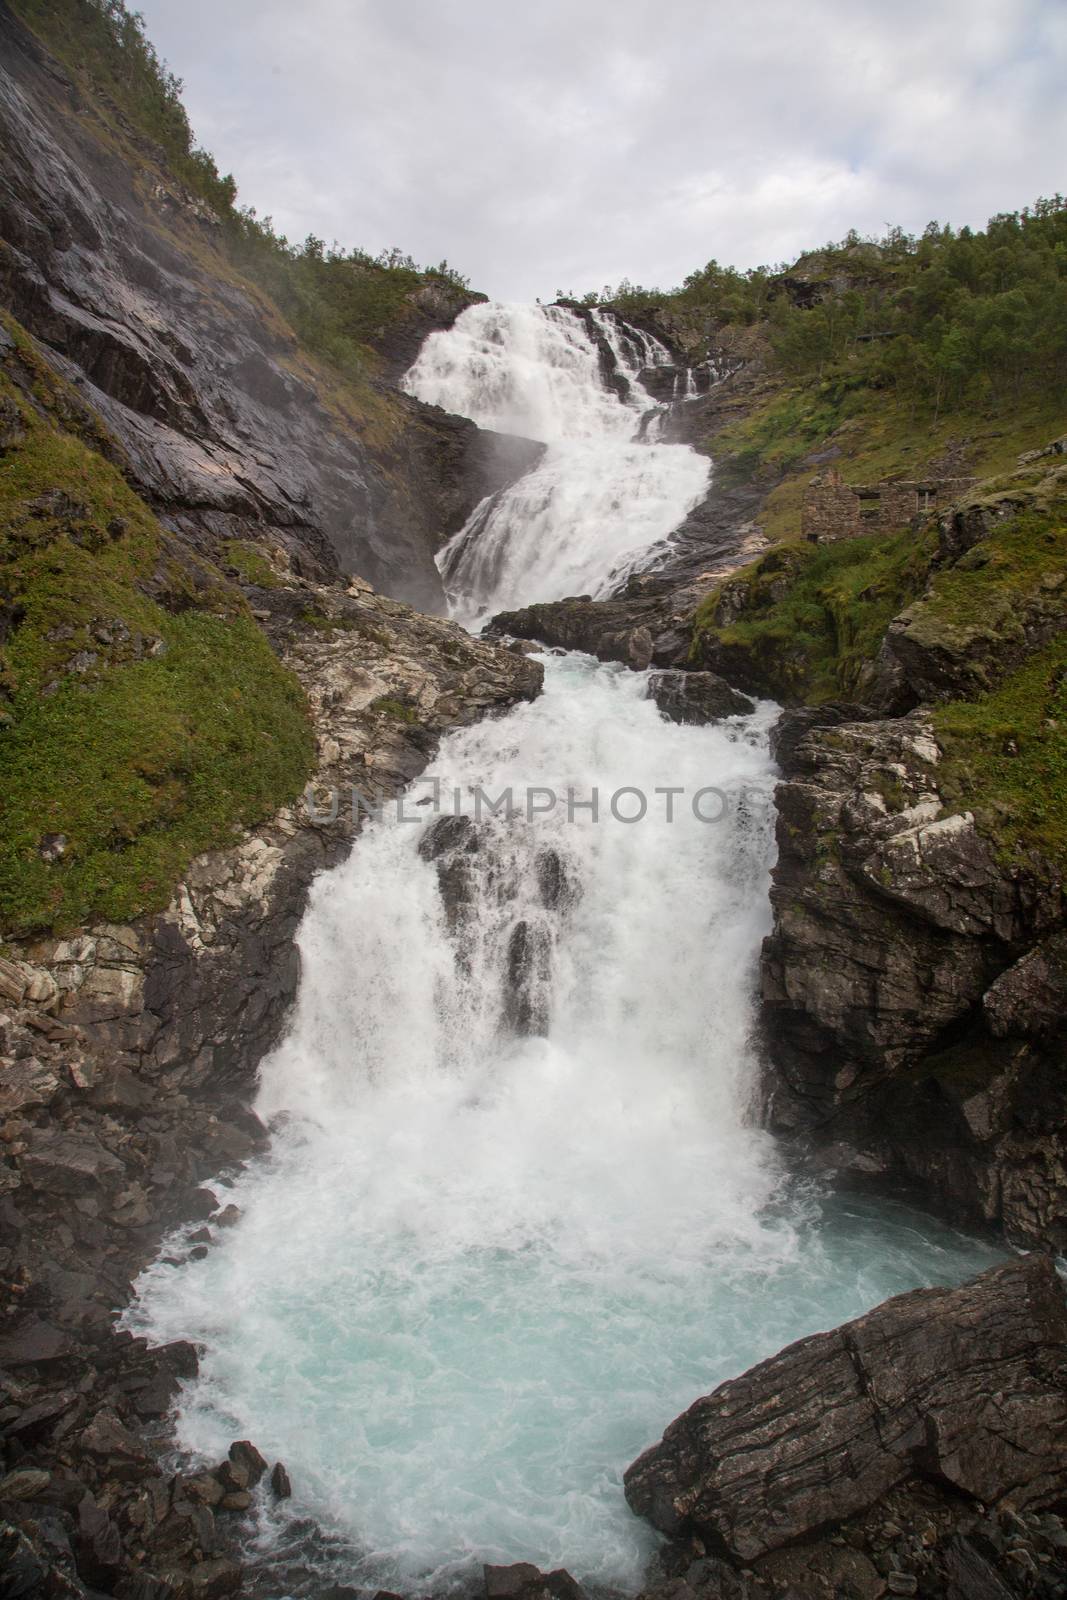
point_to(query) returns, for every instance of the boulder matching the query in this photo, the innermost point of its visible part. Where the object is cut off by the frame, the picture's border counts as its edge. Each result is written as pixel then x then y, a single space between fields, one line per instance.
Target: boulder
pixel 963 1387
pixel 1030 998
pixel 523 1581
pixel 69 1163
pixel 29 1484
pixel 696 697
pixel 248 1462
pixel 27 1082
pixel 635 633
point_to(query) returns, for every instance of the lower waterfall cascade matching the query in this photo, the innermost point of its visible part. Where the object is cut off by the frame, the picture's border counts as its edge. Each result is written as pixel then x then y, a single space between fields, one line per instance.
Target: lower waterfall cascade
pixel 517 1212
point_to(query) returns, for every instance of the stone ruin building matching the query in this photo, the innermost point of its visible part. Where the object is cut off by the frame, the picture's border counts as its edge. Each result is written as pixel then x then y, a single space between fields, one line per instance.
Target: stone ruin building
pixel 834 510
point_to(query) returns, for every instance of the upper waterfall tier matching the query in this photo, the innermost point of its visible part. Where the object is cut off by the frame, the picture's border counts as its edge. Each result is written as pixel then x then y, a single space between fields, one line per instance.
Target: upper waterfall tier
pixel 600 501
pixel 535 371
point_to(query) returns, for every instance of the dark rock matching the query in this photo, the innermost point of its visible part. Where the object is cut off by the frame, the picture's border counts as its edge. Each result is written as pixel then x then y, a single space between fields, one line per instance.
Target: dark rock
pixel 27 1082
pixel 450 842
pixel 967 1574
pixel 528 964
pixel 33 1342
pixel 796 722
pixel 961 1386
pixel 236 1500
pixel 523 1581
pixel 69 1163
pixel 207 1580
pixel 144 1586
pixel 38 1420
pixel 555 883
pixel 98 1546
pixel 245 1456
pixel 894 918
pixel 280 1484
pixel 24 1574
pixel 29 1484
pixel 205 1488
pixel 636 633
pixel 696 697
pixel 1030 998
pixel 108 1438
pixel 448 834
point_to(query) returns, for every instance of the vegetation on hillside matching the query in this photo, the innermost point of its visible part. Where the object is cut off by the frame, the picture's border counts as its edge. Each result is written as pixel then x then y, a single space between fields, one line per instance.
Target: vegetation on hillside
pixel 947 321
pixel 338 301
pixel 1006 755
pixel 803 622
pixel 143 715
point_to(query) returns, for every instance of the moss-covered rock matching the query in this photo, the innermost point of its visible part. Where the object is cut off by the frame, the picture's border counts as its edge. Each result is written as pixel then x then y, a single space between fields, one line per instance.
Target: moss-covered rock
pixel 143 715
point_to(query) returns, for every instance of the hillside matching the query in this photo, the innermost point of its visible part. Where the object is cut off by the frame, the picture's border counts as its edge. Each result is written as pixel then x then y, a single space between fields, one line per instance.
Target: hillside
pixel 194 412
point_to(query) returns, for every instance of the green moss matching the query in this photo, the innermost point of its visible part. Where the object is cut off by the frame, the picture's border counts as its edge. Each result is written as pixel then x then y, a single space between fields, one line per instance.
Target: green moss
pixel 249 563
pixel 813 615
pixel 869 437
pixel 1006 756
pixel 397 709
pixel 142 734
pixel 325 624
pixel 1021 561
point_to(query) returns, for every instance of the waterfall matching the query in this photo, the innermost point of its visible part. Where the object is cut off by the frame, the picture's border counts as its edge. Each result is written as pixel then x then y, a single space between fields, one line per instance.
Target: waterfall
pixel 515 1215
pixel 602 499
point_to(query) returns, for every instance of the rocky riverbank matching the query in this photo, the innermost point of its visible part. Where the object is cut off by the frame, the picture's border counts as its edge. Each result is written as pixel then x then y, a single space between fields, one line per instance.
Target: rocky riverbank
pixel 918 1450
pixel 912 1451
pixel 914 983
pixel 127 1062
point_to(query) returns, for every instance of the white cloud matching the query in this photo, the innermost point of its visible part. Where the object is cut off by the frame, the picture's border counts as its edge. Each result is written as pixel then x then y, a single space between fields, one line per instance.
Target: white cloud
pixel 568 145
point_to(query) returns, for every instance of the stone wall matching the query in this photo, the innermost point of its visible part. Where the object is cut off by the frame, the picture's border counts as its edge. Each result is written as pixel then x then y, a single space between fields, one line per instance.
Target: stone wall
pixel 835 510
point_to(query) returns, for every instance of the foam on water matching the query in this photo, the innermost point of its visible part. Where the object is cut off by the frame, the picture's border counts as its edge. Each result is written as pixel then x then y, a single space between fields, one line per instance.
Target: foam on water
pixel 479 1272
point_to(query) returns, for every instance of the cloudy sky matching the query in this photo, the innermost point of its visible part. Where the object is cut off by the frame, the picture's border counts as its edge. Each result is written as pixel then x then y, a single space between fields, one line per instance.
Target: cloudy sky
pixel 565 144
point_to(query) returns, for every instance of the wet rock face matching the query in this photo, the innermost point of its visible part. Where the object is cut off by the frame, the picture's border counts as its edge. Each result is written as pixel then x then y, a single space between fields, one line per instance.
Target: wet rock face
pixel 696 697
pixel 638 630
pixel 220 414
pixel 961 1390
pixel 913 982
pixel 460 464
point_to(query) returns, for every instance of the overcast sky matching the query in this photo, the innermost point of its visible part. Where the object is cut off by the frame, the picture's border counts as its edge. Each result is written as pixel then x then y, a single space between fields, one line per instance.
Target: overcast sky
pixel 554 145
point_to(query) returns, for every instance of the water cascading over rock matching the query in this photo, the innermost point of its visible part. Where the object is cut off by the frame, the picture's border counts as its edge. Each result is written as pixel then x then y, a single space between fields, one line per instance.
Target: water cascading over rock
pixel 516 1213
pixel 599 502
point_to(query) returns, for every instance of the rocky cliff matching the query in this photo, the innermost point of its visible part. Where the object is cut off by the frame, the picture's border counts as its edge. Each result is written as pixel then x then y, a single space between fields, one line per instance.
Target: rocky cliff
pixel 911 1451
pixel 230 428
pixel 187 495
pixel 914 984
pixel 127 1062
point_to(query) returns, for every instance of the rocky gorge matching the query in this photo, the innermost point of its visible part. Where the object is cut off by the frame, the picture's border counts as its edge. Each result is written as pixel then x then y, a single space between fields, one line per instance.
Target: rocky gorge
pixel 912 985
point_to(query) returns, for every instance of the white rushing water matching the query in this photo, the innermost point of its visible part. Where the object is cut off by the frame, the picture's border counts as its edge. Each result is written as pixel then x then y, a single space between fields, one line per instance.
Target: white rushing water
pixel 598 502
pixel 515 1215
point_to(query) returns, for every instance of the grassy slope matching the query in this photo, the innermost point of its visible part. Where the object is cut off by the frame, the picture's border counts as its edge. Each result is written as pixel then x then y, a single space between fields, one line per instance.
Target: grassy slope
pixel 1006 756
pixel 807 621
pixel 812 617
pixel 142 712
pixel 867 436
